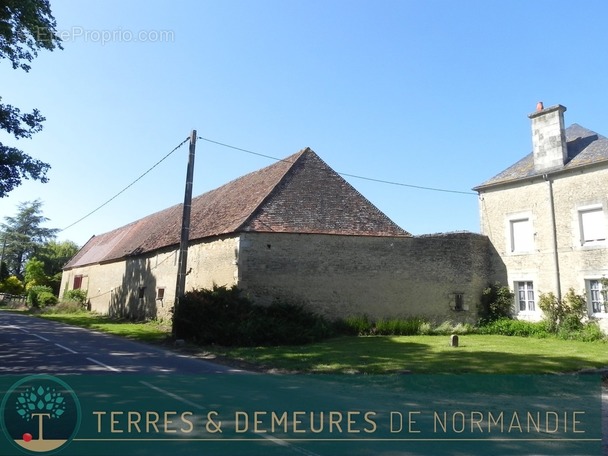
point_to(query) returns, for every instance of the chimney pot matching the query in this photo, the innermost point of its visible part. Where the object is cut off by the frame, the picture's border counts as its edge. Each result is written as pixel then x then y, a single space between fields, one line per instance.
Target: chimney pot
pixel 539 106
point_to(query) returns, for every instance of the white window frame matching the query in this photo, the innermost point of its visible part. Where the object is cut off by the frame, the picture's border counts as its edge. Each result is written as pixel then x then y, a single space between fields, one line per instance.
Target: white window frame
pixel 516 246
pixel 528 292
pixel 596 235
pixel 595 298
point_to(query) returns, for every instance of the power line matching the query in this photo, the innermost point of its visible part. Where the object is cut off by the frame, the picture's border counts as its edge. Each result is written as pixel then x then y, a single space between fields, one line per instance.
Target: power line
pixel 128 186
pixel 381 181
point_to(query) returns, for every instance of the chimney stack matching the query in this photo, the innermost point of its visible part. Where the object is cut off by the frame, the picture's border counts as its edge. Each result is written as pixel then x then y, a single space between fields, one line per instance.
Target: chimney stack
pixel 549 137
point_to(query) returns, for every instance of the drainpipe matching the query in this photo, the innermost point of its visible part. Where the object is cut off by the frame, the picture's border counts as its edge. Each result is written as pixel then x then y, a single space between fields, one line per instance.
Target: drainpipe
pixel 558 287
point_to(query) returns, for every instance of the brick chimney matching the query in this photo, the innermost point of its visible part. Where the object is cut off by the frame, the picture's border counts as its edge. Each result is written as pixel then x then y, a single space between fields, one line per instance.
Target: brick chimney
pixel 549 137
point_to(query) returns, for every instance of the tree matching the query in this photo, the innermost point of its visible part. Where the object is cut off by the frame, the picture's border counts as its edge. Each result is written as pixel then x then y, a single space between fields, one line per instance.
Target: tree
pixel 24 236
pixel 34 273
pixel 26 26
pixel 47 266
pixel 56 254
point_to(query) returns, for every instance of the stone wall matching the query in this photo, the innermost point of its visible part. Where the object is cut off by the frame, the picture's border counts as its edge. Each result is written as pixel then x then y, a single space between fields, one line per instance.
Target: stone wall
pixel 131 288
pixel 381 277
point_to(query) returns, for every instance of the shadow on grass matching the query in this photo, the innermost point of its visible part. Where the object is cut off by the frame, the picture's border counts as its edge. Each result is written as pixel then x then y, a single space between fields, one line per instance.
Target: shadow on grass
pixel 430 355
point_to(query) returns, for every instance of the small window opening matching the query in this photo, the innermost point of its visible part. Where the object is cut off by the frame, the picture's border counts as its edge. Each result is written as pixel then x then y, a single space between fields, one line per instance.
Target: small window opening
pixel 458 301
pixel 160 294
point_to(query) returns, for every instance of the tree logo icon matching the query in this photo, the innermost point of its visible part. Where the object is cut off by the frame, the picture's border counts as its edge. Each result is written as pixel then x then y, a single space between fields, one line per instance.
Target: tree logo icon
pixel 40 414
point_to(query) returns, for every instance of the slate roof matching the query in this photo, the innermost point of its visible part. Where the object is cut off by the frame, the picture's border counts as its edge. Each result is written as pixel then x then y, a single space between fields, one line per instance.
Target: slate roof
pixel 585 147
pixel 300 194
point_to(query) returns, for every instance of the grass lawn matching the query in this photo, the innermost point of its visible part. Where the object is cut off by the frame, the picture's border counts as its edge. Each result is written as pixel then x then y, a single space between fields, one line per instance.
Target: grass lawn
pixel 482 354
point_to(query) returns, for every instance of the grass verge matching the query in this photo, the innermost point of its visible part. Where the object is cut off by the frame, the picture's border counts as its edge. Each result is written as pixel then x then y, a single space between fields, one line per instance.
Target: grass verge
pixel 150 331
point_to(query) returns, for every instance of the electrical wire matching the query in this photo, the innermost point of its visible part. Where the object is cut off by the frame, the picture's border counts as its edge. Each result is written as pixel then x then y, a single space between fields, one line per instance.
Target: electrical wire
pixel 127 187
pixel 355 176
pixel 381 181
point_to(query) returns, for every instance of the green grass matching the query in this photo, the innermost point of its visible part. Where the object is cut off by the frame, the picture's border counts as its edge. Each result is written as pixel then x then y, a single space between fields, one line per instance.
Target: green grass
pixel 150 331
pixel 481 354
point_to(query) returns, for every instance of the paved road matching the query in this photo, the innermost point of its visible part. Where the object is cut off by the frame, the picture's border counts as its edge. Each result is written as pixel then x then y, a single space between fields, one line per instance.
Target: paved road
pixel 30 345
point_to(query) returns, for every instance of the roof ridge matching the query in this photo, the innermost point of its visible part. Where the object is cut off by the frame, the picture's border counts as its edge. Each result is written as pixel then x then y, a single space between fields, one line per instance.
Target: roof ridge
pixel 296 158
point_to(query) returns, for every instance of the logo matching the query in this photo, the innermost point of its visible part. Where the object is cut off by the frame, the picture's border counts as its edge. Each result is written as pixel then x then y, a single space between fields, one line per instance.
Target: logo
pixel 40 414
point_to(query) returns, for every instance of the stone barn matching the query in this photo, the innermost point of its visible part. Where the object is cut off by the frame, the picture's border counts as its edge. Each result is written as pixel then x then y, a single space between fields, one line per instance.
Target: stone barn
pixel 295 231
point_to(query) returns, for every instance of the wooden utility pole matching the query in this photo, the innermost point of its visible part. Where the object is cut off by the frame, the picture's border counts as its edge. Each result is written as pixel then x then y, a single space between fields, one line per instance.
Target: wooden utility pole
pixel 182 262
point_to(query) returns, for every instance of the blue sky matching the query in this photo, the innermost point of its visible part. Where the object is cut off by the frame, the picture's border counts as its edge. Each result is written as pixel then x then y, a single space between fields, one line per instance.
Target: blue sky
pixel 422 92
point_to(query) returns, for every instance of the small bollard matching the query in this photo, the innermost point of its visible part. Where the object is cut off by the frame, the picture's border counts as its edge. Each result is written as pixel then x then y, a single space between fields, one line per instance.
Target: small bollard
pixel 454 340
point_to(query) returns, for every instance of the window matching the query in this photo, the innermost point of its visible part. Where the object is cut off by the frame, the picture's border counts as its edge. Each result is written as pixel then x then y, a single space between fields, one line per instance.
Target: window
pixel 77 282
pixel 521 235
pixel 593 226
pixel 525 296
pixel 458 301
pixel 160 294
pixel 142 291
pixel 596 296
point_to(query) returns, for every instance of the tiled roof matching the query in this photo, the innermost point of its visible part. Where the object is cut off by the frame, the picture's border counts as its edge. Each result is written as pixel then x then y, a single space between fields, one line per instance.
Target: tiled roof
pixel 585 147
pixel 300 194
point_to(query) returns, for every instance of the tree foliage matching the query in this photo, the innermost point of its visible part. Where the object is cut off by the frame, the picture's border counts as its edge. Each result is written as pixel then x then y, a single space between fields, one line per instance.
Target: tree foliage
pixel 23 236
pixel 496 303
pixel 26 26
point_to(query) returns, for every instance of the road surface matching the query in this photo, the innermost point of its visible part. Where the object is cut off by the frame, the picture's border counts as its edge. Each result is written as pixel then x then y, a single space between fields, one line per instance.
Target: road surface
pixel 30 345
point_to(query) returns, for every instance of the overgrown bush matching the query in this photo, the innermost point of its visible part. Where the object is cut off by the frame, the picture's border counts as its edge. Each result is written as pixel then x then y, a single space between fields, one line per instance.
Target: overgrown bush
pixel 33 295
pixel 448 327
pixel 79 296
pixel 46 298
pixel 357 325
pixel 509 327
pixel 364 326
pixel 588 333
pixel 223 316
pixel 496 303
pixel 65 307
pixel 398 327
pixel 564 314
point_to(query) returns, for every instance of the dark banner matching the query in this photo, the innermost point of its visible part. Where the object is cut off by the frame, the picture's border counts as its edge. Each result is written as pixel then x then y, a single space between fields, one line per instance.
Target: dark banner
pixel 261 414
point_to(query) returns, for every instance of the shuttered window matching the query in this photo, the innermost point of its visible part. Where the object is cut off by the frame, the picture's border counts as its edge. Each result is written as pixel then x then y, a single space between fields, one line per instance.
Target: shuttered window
pixel 593 226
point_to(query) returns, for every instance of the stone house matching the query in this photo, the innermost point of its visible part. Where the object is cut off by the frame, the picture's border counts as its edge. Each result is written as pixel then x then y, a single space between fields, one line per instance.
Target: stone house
pixel 295 231
pixel 546 215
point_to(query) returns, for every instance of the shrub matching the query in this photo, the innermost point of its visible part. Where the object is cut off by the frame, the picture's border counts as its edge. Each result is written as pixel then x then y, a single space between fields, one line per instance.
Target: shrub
pixel 398 327
pixel 65 307
pixel 448 327
pixel 79 296
pixel 33 295
pixel 496 303
pixel 222 316
pixel 508 327
pixel 286 323
pixel 12 285
pixel 46 298
pixel 359 325
pixel 590 332
pixel 563 315
pixel 425 328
